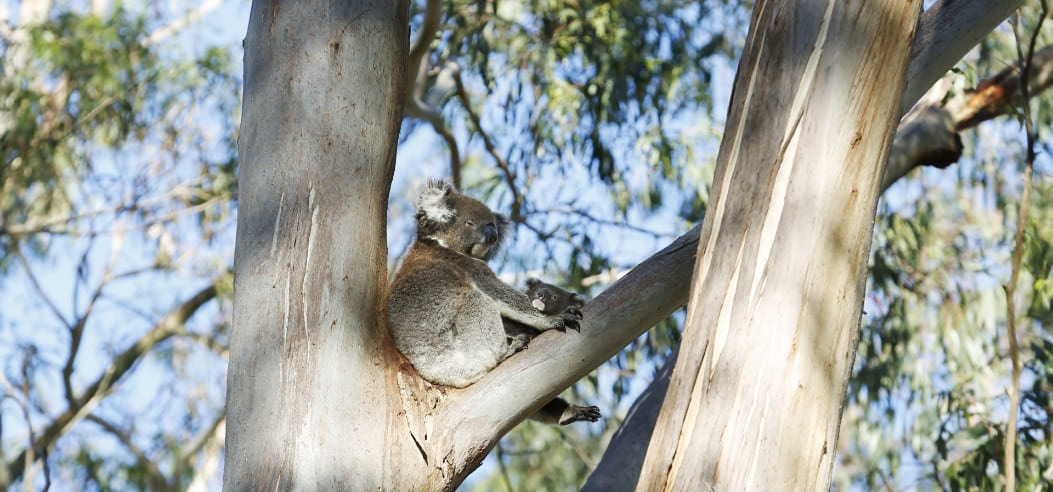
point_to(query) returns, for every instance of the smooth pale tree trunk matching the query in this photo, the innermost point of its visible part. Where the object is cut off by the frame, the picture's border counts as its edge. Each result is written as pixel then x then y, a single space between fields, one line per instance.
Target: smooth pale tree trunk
pixel 311 396
pixel 754 402
pixel 946 31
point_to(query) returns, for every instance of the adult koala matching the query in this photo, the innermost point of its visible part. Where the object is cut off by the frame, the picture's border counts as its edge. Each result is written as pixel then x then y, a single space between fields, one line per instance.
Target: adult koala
pixel 448 312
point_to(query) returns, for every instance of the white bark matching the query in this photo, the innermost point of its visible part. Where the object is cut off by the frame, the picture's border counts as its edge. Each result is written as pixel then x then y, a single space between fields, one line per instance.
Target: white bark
pixel 755 399
pixel 311 387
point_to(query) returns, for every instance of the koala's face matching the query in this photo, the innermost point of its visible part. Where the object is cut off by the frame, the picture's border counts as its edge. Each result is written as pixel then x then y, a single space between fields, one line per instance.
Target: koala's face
pixel 542 297
pixel 459 222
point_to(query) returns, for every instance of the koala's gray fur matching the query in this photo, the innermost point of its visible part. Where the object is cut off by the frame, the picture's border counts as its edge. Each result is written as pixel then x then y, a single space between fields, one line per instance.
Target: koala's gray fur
pixel 550 299
pixel 447 310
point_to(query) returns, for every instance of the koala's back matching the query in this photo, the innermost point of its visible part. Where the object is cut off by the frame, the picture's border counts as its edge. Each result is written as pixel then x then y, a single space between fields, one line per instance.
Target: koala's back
pixel 450 331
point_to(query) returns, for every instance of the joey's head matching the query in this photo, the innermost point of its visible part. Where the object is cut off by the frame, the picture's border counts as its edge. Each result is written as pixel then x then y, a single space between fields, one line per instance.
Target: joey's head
pixel 458 222
pixel 550 299
pixel 541 296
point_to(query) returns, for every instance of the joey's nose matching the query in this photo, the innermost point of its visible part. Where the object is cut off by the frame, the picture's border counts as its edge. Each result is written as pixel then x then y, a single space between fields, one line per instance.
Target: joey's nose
pixel 490 234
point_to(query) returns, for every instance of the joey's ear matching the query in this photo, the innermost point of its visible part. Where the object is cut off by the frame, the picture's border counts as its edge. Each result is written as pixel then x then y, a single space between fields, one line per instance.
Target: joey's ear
pixel 432 205
pixel 532 282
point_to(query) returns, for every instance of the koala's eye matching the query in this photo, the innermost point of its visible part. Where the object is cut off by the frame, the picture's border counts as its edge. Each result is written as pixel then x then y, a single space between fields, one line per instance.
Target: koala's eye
pixel 470 223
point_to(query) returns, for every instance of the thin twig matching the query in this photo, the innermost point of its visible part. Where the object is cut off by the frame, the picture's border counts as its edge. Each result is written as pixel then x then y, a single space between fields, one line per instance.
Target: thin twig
pixel 509 174
pixel 154 476
pixel 172 325
pixel 40 290
pixel 24 405
pixel 76 332
pixel 1018 252
pixel 182 190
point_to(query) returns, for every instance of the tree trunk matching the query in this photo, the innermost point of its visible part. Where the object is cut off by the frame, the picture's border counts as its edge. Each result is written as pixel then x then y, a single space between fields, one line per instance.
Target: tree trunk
pixel 953 26
pixel 755 399
pixel 312 399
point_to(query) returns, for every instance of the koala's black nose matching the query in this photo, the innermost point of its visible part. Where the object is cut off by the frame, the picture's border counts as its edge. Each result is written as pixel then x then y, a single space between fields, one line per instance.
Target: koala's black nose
pixel 490 234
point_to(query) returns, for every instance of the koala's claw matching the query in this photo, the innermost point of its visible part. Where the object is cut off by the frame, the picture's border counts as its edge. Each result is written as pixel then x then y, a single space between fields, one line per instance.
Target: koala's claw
pixel 575 413
pixel 571 318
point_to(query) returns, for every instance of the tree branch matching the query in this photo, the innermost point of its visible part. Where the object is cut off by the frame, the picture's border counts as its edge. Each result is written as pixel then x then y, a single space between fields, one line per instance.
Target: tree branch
pixel 76 332
pixel 154 477
pixel 1009 447
pixel 198 442
pixel 506 169
pixel 173 324
pixel 416 74
pixel 928 134
pixel 946 32
pixel 172 28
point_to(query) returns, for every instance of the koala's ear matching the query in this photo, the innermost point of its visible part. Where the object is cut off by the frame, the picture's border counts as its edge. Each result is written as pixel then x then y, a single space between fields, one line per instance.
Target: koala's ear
pixel 532 282
pixel 432 204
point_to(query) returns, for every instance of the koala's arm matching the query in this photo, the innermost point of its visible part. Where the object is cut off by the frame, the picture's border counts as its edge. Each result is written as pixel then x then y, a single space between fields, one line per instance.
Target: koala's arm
pixel 513 304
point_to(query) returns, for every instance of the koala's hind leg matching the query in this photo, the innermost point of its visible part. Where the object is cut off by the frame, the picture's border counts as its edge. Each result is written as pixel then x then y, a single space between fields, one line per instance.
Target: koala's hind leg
pixel 558 411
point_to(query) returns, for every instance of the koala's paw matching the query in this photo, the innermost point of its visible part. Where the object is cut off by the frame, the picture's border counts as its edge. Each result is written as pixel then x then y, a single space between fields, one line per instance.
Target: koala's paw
pixel 572 318
pixel 575 413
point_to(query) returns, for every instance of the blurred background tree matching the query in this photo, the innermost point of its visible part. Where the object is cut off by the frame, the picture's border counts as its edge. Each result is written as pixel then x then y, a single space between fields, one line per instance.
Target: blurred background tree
pixel 584 121
pixel 117 194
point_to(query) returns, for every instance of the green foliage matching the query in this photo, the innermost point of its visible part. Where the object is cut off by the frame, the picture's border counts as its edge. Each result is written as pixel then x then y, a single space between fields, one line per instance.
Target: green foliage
pixel 117 191
pixel 928 403
pixel 582 81
pixel 87 82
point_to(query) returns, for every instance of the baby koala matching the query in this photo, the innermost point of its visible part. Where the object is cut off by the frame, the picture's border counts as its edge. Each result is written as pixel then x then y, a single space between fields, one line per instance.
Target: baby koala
pixel 550 299
pixel 547 299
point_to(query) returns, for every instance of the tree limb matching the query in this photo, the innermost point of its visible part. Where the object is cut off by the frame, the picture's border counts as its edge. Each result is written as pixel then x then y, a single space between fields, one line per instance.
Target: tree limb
pixel 416 74
pixel 928 134
pixel 156 479
pixel 946 31
pixel 506 169
pixel 172 324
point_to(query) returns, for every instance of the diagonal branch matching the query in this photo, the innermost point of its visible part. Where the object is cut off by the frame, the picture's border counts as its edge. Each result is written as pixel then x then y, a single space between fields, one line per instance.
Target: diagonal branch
pixel 946 32
pixel 172 324
pixel 40 290
pixel 928 134
pixel 76 331
pixel 154 477
pixel 506 169
pixel 173 28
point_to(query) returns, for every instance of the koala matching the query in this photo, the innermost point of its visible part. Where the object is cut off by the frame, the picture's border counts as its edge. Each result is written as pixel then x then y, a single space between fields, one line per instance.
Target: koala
pixel 550 299
pixel 447 311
